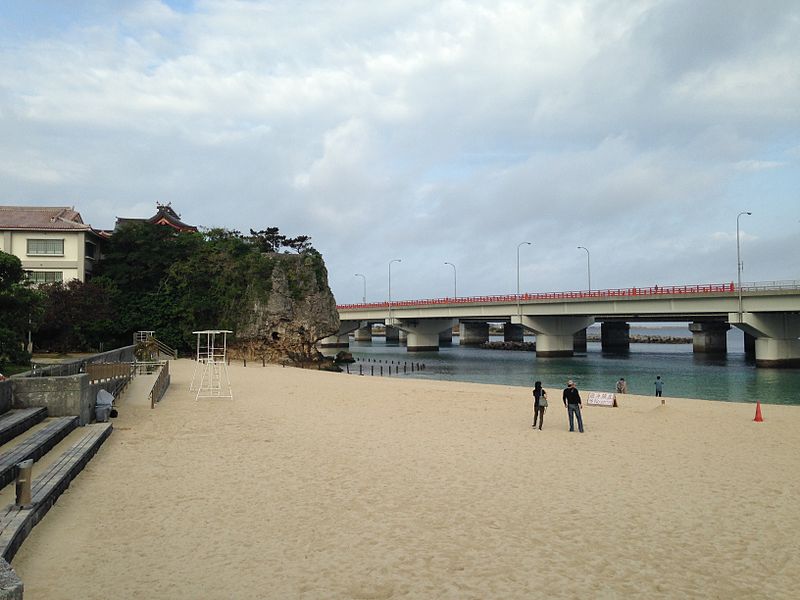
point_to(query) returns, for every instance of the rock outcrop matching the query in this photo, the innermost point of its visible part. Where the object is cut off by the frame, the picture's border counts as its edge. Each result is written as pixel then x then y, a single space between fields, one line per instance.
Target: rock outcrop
pixel 288 309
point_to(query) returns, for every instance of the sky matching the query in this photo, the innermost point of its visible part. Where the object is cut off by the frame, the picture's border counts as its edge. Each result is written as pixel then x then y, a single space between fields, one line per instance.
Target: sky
pixel 429 132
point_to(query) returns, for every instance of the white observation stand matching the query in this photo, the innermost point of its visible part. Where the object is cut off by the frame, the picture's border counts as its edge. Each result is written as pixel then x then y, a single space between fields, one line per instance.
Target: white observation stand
pixel 210 379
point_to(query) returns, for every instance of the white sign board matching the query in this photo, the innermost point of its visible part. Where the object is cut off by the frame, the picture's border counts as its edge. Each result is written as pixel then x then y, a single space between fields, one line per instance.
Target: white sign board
pixel 602 399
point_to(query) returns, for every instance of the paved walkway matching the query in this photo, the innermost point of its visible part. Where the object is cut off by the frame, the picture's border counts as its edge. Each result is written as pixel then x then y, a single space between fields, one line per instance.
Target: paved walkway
pixel 138 391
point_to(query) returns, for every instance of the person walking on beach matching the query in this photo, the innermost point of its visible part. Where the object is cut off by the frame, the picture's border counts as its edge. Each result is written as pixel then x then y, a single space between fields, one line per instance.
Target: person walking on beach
pixel 659 387
pixel 622 387
pixel 539 404
pixel 572 400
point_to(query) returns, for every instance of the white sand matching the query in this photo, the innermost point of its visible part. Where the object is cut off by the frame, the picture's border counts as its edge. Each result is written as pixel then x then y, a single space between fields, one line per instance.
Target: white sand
pixel 319 485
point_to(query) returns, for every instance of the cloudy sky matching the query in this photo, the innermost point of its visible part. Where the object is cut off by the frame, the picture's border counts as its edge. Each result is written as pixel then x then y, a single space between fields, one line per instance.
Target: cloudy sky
pixel 424 131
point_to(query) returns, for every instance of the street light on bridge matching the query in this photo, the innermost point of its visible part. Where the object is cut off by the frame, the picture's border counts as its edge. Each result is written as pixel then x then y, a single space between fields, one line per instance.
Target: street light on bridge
pixel 455 280
pixel 519 307
pixel 588 266
pixel 390 284
pixel 520 245
pixel 739 261
pixel 364 277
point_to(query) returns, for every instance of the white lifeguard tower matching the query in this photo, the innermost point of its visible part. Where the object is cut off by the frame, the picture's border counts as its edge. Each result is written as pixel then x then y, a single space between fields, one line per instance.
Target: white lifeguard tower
pixel 210 379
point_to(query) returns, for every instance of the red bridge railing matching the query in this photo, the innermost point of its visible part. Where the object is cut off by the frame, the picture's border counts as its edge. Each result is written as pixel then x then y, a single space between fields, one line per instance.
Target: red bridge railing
pixel 656 290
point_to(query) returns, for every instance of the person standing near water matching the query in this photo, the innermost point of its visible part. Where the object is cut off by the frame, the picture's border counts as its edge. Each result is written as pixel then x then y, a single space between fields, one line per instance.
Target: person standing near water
pixel 539 404
pixel 659 387
pixel 622 387
pixel 572 400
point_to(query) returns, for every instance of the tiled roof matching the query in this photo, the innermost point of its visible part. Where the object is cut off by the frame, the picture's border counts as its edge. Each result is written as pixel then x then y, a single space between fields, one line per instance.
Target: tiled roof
pixel 42 218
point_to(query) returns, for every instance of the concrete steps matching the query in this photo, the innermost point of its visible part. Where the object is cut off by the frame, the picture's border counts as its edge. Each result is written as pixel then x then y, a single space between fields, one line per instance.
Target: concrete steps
pixel 34 446
pixel 60 449
pixel 17 420
pixel 52 479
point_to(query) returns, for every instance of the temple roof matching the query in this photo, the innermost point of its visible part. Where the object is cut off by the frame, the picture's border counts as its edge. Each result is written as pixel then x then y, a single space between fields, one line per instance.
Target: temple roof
pixel 165 215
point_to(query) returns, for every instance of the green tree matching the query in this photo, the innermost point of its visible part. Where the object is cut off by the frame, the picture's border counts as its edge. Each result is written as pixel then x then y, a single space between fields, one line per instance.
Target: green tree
pixel 77 316
pixel 19 307
pixel 135 264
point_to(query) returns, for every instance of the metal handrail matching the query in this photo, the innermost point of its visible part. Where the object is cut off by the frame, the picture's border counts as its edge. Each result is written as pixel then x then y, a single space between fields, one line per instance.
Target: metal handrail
pixel 697 289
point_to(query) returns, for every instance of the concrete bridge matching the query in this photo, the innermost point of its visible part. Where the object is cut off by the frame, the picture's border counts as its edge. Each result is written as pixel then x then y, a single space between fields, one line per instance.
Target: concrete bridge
pixel 768 313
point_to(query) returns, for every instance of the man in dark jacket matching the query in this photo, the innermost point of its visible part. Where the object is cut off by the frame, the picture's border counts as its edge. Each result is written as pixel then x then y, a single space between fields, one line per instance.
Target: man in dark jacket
pixel 572 400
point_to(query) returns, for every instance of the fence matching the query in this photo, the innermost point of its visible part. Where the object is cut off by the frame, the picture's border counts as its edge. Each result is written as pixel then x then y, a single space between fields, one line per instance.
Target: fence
pixel 114 377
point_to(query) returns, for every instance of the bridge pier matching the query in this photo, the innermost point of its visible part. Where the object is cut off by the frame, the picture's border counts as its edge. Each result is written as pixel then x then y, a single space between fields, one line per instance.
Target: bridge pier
pixel 615 336
pixel 423 334
pixel 579 341
pixel 341 339
pixel 446 337
pixel 749 345
pixel 472 333
pixel 363 334
pixel 777 344
pixel 392 334
pixel 513 333
pixel 709 337
pixel 554 335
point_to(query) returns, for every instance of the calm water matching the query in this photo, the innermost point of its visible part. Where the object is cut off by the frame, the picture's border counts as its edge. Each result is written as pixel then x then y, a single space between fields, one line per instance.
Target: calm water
pixel 730 378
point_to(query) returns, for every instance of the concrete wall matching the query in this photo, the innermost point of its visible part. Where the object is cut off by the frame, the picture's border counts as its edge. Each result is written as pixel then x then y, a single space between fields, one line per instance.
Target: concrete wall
pixel 5 395
pixel 63 396
pixel 10 583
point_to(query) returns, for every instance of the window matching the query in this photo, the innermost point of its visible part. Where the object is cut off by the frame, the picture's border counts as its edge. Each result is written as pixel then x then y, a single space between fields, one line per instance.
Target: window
pixel 40 277
pixel 46 247
pixel 90 250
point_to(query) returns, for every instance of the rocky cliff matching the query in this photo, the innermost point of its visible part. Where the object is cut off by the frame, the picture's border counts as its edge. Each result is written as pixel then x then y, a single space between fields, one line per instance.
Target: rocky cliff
pixel 288 308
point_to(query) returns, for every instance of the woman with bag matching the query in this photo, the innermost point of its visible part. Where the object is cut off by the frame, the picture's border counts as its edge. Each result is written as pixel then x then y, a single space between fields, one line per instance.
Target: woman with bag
pixel 539 404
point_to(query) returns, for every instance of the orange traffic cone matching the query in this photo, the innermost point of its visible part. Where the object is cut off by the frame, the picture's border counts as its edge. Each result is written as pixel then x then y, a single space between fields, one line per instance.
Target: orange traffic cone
pixel 758 418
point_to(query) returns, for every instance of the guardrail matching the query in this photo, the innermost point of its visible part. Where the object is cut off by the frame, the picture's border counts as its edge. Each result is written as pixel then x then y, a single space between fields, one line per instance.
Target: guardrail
pixel 161 384
pixel 165 349
pixel 673 290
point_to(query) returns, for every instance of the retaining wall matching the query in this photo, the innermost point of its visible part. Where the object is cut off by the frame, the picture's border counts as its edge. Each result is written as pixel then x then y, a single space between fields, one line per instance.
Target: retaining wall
pixel 62 396
pixel 10 583
pixel 5 395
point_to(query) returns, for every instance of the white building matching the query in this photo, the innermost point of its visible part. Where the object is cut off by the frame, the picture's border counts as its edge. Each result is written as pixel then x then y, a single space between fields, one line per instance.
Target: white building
pixel 53 243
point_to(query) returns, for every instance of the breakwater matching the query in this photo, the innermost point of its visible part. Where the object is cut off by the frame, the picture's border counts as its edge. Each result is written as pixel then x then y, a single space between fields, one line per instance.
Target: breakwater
pixel 635 339
pixel 649 339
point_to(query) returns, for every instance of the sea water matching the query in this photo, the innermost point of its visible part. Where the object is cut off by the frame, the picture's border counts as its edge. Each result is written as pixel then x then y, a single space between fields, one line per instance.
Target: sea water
pixel 732 377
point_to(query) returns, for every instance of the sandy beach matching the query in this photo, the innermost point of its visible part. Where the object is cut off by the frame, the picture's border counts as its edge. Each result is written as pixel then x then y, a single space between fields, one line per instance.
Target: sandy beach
pixel 320 485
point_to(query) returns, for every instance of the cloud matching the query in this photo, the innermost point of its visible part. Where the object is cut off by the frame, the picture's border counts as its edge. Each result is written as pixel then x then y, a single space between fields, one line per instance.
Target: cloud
pixel 758 165
pixel 431 132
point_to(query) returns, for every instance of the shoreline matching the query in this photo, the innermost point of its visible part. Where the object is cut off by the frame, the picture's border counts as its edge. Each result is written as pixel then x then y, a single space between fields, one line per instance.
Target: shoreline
pixel 312 485
pixel 414 376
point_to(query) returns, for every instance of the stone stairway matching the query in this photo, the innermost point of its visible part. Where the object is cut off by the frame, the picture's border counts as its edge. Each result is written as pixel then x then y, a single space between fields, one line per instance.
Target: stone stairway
pixel 60 449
